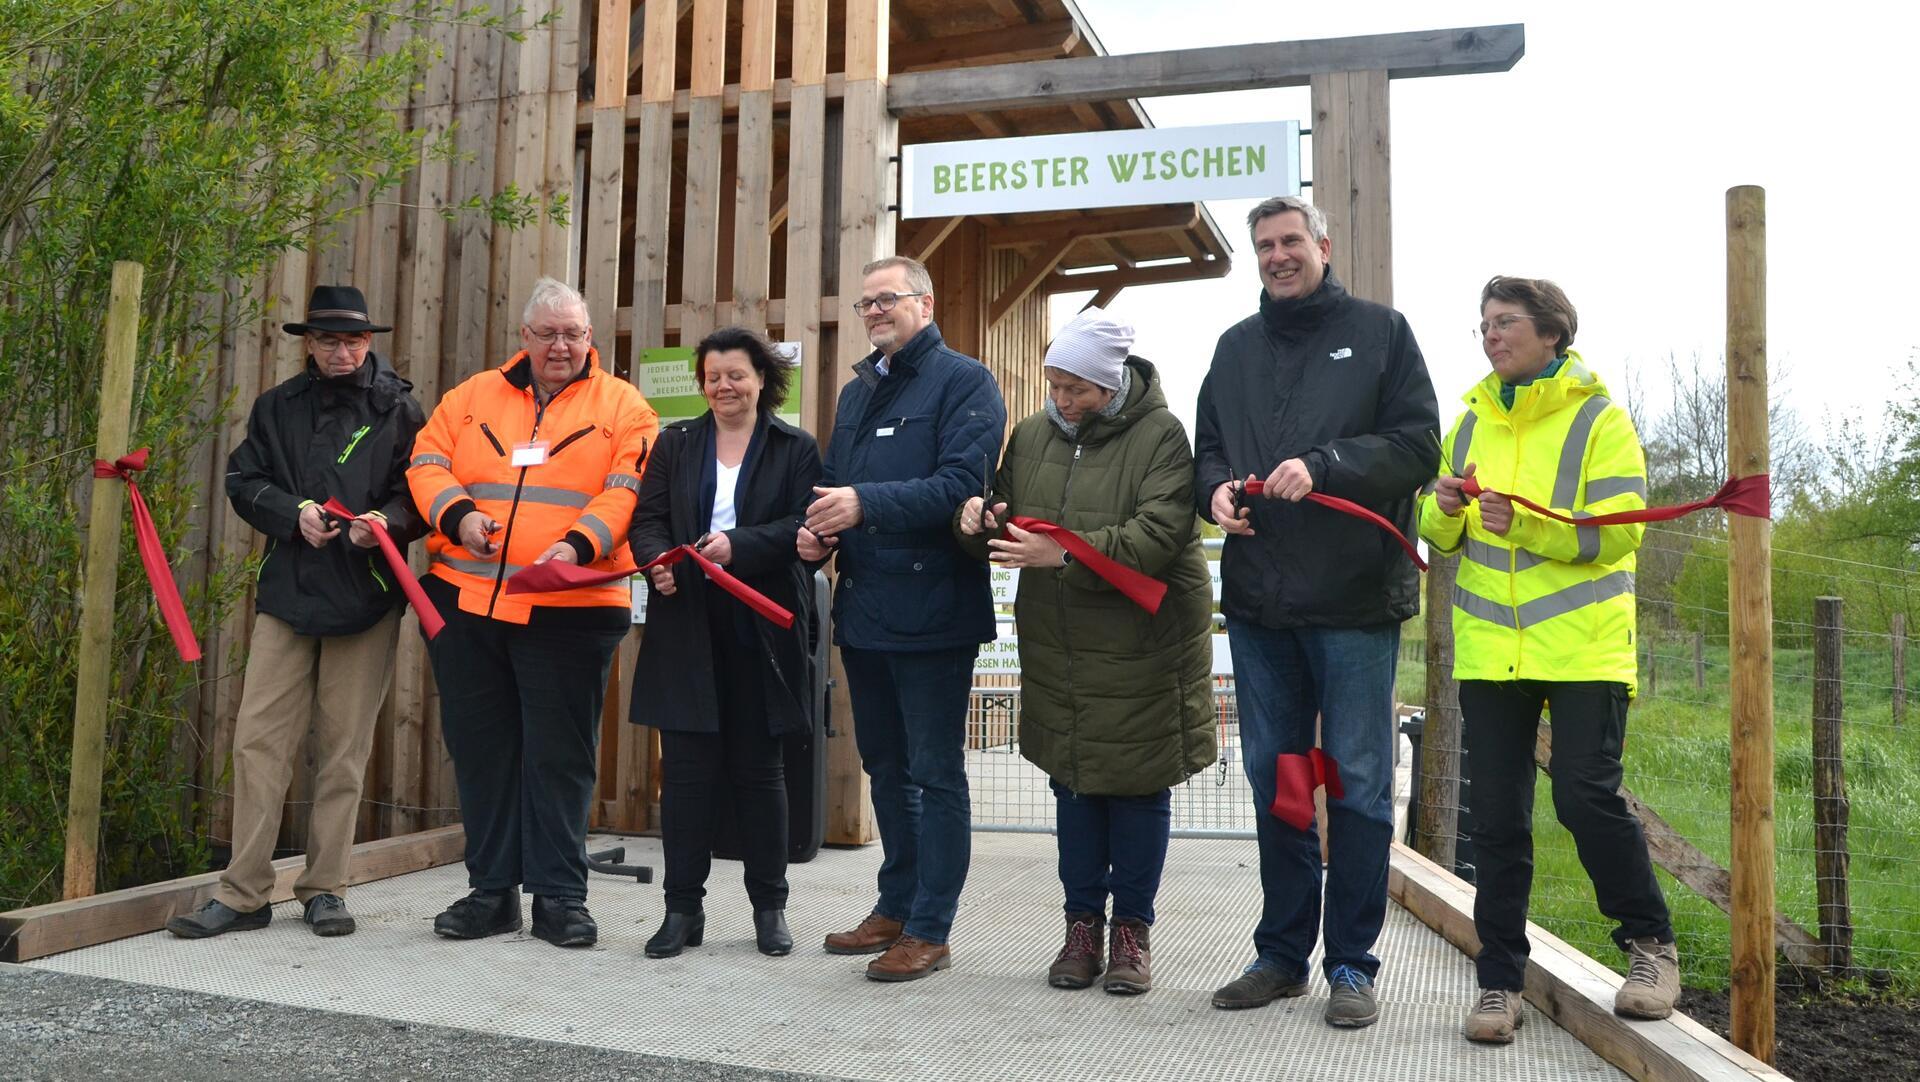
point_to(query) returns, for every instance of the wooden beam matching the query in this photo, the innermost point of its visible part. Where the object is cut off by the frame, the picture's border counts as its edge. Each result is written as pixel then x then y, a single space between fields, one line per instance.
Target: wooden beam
pixel 1028 41
pixel 1462 51
pixel 803 200
pixel 777 200
pixel 700 236
pixel 753 168
pixel 1178 218
pixel 1351 178
pixel 1138 276
pixel 930 236
pixel 1035 272
pixel 1102 299
pixel 1574 990
pixel 42 930
pixel 653 181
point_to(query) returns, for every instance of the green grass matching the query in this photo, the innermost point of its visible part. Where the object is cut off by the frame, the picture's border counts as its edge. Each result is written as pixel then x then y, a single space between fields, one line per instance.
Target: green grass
pixel 1677 759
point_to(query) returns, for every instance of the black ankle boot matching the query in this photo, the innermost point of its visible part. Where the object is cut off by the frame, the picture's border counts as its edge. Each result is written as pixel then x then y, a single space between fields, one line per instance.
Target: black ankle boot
pixel 770 932
pixel 481 914
pixel 677 932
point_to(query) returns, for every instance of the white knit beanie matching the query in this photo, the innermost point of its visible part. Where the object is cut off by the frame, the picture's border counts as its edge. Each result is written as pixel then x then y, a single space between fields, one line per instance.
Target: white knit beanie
pixel 1093 347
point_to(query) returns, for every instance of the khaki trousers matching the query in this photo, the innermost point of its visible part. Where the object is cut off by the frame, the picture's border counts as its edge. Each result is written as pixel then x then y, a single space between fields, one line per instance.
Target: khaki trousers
pixel 333 684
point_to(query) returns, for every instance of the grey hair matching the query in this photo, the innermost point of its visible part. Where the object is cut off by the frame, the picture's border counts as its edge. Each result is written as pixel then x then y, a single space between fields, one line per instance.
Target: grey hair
pixel 919 279
pixel 1282 204
pixel 553 295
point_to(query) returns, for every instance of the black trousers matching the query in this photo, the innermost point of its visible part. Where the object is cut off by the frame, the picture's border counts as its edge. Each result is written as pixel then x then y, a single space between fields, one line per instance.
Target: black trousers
pixel 740 771
pixel 1589 722
pixel 520 708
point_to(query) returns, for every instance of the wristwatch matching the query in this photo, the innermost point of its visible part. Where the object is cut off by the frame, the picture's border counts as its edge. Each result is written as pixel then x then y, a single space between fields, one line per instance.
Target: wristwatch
pixel 1065 557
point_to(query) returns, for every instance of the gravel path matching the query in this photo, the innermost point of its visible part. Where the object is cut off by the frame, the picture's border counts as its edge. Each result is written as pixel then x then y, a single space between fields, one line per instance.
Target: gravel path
pixel 56 1027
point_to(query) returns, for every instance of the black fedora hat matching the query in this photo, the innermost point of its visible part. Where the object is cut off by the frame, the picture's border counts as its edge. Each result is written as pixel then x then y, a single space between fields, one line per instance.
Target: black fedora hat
pixel 339 309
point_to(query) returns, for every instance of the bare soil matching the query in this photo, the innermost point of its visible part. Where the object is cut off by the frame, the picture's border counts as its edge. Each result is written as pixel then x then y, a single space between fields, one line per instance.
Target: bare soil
pixel 1831 1038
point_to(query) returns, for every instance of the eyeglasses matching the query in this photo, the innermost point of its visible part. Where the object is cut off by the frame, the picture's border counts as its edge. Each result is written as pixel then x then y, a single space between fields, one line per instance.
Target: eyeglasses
pixel 548 337
pixel 327 343
pixel 1503 324
pixel 884 302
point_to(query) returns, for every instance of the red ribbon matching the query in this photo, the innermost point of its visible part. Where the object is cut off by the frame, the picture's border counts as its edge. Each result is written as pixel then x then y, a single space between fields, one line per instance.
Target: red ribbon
pixel 430 620
pixel 1295 777
pixel 147 537
pixel 1348 507
pixel 558 575
pixel 1750 496
pixel 1137 587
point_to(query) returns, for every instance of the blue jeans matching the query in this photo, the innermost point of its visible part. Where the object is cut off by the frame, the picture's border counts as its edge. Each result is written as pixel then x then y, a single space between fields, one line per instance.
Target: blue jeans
pixel 1283 679
pixel 910 724
pixel 1112 845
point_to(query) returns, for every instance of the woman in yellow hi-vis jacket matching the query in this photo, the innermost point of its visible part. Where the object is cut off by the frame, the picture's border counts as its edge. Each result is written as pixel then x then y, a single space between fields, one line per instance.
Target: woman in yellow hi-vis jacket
pixel 1543 616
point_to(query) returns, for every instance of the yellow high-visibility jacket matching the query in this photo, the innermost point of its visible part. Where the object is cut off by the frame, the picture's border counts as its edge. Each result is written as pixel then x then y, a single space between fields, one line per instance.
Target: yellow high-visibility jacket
pixel 1548 601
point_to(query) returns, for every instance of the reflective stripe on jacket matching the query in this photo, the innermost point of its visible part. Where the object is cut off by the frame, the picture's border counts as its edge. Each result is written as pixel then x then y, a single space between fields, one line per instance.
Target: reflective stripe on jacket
pixel 1548 601
pixel 598 430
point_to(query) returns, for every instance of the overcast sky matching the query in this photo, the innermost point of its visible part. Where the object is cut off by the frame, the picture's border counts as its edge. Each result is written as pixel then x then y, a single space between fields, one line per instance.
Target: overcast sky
pixel 1602 161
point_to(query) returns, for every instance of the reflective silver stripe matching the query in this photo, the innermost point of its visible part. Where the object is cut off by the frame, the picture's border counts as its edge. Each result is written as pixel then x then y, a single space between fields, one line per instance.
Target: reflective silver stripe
pixel 1541 609
pixel 1476 606
pixel 1604 488
pixel 599 530
pixel 474 567
pixel 623 480
pixel 1589 540
pixel 432 460
pixel 542 494
pixel 1461 440
pixel 1578 596
pixel 1566 484
pixel 1496 557
pixel 447 496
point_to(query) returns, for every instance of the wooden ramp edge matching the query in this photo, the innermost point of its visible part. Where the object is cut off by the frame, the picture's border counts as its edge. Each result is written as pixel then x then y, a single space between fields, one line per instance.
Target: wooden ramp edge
pixel 1576 991
pixel 41 930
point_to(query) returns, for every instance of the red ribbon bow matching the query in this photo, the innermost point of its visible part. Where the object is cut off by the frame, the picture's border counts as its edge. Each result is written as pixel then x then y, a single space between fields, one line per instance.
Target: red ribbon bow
pixel 1295 777
pixel 1348 507
pixel 1138 587
pixel 1750 496
pixel 558 575
pixel 166 593
pixel 430 620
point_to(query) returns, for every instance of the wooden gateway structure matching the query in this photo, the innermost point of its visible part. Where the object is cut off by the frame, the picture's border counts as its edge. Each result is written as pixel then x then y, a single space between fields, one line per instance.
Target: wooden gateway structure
pixel 735 161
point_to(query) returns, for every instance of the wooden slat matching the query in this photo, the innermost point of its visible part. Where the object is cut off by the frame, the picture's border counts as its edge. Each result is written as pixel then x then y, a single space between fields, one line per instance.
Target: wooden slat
pixel 928 238
pixel 40 931
pixel 1035 272
pixel 559 240
pixel 806 177
pixel 524 156
pixel 1177 219
pixel 1138 276
pixel 783 89
pixel 700 226
pixel 753 172
pixel 470 345
pixel 606 167
pixel 1462 51
pixel 1028 41
pixel 865 24
pixel 1574 990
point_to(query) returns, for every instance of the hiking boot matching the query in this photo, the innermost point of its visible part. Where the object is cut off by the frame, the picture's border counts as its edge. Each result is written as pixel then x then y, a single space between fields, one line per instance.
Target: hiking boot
pixel 481 914
pixel 327 915
pixel 564 922
pixel 1129 961
pixel 1258 985
pixel 1078 962
pixel 1352 1004
pixel 909 959
pixel 214 918
pixel 1653 980
pixel 1494 1018
pixel 872 935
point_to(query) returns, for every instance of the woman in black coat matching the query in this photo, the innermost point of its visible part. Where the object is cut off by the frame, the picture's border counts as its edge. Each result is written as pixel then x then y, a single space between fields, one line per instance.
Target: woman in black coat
pixel 721 683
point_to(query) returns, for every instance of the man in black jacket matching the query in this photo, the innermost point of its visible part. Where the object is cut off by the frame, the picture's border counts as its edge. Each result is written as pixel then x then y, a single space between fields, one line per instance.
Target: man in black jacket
pixel 1319 391
pixel 328 608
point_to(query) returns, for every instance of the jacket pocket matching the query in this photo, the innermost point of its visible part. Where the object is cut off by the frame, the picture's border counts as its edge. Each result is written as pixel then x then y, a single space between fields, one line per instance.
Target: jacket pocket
pixel 915 590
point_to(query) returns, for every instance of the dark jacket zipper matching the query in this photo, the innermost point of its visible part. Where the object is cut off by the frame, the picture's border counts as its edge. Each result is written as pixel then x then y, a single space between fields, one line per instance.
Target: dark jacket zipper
pixel 488 433
pixel 562 445
pixel 513 509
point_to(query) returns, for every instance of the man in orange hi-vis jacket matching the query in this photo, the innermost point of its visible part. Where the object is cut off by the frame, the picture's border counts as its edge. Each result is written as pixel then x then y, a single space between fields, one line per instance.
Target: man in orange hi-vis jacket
pixel 537 460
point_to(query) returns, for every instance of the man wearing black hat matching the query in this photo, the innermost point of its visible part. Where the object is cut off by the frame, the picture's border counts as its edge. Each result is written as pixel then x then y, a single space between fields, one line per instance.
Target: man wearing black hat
pixel 328 609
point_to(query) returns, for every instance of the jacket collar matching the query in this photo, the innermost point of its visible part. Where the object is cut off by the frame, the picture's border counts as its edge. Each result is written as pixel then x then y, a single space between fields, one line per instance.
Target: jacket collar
pixel 1294 315
pixel 362 378
pixel 908 357
pixel 1574 383
pixel 519 370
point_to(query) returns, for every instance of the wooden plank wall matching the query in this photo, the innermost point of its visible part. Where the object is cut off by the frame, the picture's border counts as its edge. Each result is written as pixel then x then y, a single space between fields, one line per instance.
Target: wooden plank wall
pixel 451 291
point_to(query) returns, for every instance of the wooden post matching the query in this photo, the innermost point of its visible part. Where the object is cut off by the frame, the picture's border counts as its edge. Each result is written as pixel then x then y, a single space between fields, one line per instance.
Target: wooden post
pixel 103 571
pixel 753 173
pixel 1899 667
pixel 1750 603
pixel 1653 670
pixel 806 195
pixel 1699 661
pixel 1351 178
pixel 1830 857
pixel 1439 794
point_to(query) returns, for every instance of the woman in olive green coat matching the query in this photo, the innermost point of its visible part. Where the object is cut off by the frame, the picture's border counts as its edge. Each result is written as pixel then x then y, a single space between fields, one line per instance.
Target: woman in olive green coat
pixel 1116 703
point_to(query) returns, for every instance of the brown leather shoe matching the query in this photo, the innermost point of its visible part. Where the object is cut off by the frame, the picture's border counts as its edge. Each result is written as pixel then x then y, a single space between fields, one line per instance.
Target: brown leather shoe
pixel 909 959
pixel 871 936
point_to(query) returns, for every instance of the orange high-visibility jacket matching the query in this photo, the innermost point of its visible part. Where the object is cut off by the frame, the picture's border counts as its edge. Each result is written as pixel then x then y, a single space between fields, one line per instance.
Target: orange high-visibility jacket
pixel 598 431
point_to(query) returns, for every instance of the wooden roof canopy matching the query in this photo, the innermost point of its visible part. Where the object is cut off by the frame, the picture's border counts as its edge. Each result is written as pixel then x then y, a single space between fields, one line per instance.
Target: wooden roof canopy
pixel 1175 242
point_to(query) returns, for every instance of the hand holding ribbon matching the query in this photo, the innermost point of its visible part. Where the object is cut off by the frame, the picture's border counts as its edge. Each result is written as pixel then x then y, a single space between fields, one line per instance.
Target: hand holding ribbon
pixel 1137 587
pixel 1348 507
pixel 430 619
pixel 1750 496
pixel 555 575
pixel 166 592
pixel 1295 779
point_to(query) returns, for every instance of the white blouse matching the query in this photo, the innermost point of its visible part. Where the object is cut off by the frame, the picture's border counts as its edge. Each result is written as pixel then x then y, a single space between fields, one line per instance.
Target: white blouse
pixel 726 478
